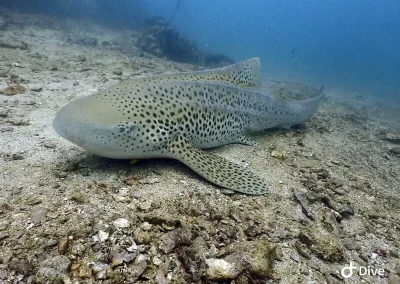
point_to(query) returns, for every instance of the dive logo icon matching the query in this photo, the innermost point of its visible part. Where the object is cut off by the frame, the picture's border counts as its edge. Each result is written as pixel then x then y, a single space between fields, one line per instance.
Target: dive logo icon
pixel 347 271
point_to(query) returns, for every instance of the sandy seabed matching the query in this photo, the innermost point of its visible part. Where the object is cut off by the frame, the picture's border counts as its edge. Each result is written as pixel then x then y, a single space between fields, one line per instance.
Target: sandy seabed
pixel 67 216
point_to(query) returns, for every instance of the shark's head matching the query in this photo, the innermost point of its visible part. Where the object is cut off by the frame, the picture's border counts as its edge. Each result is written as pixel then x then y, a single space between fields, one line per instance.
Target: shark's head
pixel 94 126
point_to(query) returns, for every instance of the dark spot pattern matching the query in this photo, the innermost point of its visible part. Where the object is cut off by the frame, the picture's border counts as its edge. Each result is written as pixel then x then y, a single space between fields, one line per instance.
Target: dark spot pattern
pixel 204 109
pixel 217 169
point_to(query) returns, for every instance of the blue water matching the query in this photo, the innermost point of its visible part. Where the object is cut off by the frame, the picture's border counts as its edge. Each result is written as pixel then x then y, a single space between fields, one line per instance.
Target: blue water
pixel 351 46
pixel 348 46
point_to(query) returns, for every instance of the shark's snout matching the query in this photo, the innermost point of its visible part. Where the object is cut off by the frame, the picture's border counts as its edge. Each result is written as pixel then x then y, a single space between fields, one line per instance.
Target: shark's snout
pixel 59 124
pixel 87 123
pixel 66 124
pixel 76 123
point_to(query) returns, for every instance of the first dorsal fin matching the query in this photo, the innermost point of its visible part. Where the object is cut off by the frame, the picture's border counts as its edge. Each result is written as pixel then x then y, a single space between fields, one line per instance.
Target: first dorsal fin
pixel 245 74
pixel 216 169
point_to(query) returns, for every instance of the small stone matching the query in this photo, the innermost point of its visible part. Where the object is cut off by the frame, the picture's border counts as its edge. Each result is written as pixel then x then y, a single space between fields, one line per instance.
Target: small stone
pixel 295 257
pixel 304 271
pixel 199 248
pixel 19 65
pixel 160 277
pixel 351 245
pixel 149 273
pixel 122 257
pixel 144 206
pixel 6 129
pixel 157 261
pixel 52 214
pixel 77 249
pixel 146 226
pixel 17 156
pixel 23 46
pixel 382 252
pixel 4 207
pixel 346 211
pixel 303 199
pixel 227 192
pixel 3 235
pixel 12 90
pixel 37 89
pixel 3 112
pixel 121 223
pixel 19 121
pixel 137 195
pixel 251 257
pixel 339 191
pixel 131 180
pixel 62 245
pixel 139 266
pixel 53 269
pixel 142 237
pixel 105 44
pixel 38 214
pixel 278 154
pixel 323 244
pixel 392 137
pixel 95 239
pixel 33 200
pixel 81 58
pixel 395 151
pixel 21 266
pixel 394 253
pixel 133 247
pixel 100 271
pixel 62 174
pixel 117 259
pixel 150 180
pixel 78 196
pixel 117 72
pixel 6 255
pixel 49 145
pixel 84 271
pixel 393 278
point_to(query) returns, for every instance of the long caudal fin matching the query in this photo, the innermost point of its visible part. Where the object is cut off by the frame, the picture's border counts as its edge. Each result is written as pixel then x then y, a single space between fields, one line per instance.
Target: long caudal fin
pixel 217 169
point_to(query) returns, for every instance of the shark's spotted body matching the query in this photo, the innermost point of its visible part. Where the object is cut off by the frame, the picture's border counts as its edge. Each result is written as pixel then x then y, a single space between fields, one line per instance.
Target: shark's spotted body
pixel 176 115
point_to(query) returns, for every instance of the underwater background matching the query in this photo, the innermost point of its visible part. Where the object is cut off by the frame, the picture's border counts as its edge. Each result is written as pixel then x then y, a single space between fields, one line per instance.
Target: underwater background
pixel 350 46
pixel 69 216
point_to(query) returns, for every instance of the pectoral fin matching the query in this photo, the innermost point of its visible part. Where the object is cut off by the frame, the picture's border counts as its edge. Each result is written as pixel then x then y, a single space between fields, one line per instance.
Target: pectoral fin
pixel 217 169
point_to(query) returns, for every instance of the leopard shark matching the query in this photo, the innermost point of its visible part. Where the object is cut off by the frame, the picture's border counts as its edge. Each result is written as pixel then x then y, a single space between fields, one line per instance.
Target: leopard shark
pixel 179 115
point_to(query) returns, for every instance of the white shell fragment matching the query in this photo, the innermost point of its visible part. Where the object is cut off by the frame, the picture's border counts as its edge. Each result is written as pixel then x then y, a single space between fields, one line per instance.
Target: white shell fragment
pixel 121 223
pixel 103 236
pixel 219 269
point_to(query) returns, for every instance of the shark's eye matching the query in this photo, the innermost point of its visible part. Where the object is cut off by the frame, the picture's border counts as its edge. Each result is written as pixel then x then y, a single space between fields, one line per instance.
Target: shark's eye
pixel 121 129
